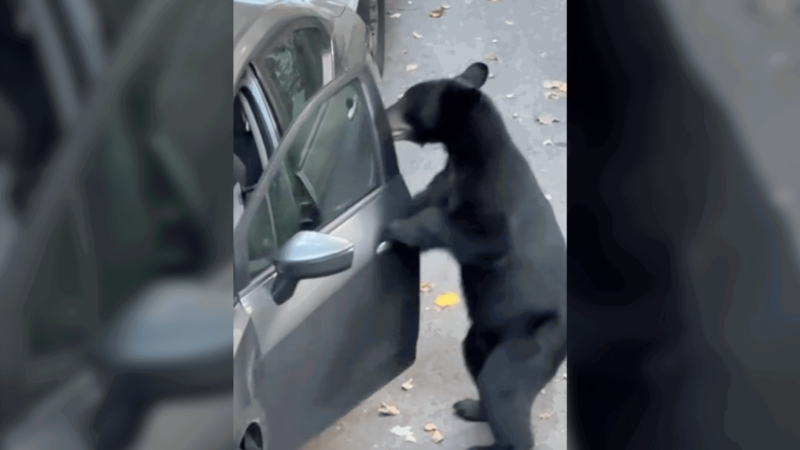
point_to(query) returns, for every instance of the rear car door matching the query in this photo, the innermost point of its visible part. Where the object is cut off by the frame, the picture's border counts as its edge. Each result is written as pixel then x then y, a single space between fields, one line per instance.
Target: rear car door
pixel 340 338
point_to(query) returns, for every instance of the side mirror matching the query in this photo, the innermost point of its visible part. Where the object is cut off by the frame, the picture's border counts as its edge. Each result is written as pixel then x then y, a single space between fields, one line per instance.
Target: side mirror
pixel 309 254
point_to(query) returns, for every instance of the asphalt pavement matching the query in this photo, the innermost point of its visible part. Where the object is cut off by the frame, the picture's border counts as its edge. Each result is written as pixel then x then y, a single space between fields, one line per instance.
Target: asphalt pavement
pixel 529 41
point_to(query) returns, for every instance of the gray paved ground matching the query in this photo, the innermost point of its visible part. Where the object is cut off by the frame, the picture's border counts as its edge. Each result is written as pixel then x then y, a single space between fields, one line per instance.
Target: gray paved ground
pixel 530 50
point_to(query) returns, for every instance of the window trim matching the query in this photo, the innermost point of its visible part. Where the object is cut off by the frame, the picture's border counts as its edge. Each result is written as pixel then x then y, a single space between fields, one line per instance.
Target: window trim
pixel 255 129
pixel 265 118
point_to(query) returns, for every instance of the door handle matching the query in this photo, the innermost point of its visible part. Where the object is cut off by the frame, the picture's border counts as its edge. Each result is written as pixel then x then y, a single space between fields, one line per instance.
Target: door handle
pixel 352 105
pixel 383 247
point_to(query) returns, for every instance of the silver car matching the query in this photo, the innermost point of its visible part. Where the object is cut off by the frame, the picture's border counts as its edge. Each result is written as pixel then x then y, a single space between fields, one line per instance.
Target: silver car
pixel 325 311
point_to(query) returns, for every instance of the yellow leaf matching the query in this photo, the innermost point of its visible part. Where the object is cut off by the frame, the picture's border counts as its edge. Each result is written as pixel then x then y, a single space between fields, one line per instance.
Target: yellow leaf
pixel 437 437
pixel 430 427
pixel 563 87
pixel 447 300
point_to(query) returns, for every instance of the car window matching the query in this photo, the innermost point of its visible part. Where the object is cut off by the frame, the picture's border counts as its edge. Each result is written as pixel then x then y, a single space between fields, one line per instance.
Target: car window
pixel 59 310
pixel 114 16
pixel 327 168
pixel 136 208
pixel 294 66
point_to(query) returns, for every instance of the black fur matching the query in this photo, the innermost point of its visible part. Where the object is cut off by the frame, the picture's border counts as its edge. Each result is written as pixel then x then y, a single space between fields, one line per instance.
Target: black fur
pixel 488 210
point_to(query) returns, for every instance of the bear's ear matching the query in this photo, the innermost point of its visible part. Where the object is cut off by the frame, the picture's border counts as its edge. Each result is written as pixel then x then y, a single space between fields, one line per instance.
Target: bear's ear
pixel 460 96
pixel 475 75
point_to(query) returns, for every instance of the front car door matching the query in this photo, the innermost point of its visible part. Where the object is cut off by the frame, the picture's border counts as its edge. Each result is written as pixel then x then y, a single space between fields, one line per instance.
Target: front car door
pixel 340 338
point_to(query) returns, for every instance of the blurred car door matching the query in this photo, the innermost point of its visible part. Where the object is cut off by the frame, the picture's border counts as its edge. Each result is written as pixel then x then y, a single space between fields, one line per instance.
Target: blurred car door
pixel 340 338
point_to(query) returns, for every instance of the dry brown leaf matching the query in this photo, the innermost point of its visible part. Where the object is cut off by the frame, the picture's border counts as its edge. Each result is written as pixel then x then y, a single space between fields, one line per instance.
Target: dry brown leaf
pixel 408 385
pixel 438 12
pixel 388 410
pixel 416 35
pixel 395 16
pixel 544 416
pixel 547 119
pixel 437 437
pixel 430 427
pixel 491 57
pixel 425 287
pixel 411 67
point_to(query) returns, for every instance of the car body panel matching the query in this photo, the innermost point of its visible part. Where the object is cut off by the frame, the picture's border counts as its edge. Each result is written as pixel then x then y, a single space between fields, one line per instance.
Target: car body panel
pixel 339 338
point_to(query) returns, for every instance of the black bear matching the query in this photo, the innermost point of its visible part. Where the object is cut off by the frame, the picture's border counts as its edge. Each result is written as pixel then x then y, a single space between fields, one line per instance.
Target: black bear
pixel 488 210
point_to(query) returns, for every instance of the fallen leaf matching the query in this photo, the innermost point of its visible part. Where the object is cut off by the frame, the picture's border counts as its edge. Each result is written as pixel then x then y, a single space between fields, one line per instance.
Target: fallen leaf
pixel 395 16
pixel 404 432
pixel 491 75
pixel 388 410
pixel 544 416
pixel 509 95
pixel 547 142
pixel 416 35
pixel 425 287
pixel 509 22
pixel 563 87
pixel 408 385
pixel 547 119
pixel 438 12
pixel 430 427
pixel 411 67
pixel 437 437
pixel 551 84
pixel 446 6
pixel 491 57
pixel 553 95
pixel 446 300
pixel 494 41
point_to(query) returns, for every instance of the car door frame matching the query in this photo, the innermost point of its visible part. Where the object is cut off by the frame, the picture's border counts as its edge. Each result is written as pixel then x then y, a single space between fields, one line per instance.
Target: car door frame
pixel 253 294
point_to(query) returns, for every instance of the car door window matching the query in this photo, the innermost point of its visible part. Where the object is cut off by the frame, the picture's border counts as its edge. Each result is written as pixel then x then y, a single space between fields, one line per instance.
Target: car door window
pixel 60 308
pixel 328 166
pixel 137 208
pixel 294 68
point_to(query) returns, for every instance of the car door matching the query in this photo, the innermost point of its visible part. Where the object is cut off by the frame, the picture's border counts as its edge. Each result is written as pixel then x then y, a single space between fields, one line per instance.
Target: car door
pixel 340 338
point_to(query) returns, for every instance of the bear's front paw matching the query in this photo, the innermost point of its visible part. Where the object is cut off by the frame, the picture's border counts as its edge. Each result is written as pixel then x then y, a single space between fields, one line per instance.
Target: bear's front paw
pixel 400 231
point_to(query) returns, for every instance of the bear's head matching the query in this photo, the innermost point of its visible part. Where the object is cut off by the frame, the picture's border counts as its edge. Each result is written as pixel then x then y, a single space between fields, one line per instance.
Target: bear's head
pixel 437 110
